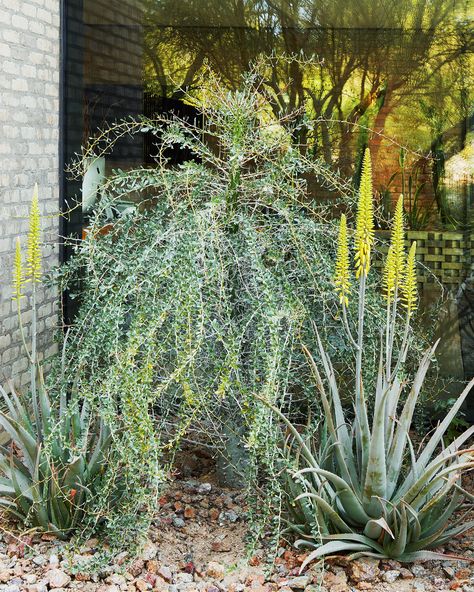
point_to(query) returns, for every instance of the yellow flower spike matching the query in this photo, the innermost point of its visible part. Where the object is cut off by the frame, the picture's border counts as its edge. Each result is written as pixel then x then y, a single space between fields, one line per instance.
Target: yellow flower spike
pixel 364 237
pixel 395 264
pixel 389 275
pixel 342 280
pixel 33 257
pixel 398 242
pixel 18 273
pixel 409 285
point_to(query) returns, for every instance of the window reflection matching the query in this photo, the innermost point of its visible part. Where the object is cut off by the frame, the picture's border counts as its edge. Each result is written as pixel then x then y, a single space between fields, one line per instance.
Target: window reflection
pixel 401 69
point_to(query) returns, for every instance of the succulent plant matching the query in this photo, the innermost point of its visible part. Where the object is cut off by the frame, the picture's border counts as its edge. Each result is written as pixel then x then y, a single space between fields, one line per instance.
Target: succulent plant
pixel 54 458
pixel 360 486
pixel 48 471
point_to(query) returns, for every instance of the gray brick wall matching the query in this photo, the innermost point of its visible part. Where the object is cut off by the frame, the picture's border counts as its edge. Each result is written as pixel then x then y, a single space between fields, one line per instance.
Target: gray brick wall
pixel 29 128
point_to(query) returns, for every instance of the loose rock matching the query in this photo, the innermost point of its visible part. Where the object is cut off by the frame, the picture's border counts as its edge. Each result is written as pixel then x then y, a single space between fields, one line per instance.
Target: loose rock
pixel 418 570
pixel 406 573
pixel 204 488
pixel 178 522
pixel 142 585
pixel 150 551
pixel 365 569
pixel 298 583
pixel 336 582
pixel 215 570
pixel 390 576
pixel 165 573
pixel 57 578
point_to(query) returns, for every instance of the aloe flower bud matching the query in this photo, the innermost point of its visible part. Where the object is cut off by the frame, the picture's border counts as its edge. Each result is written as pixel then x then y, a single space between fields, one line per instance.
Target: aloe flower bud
pixel 396 259
pixel 342 280
pixel 398 243
pixel 409 286
pixel 389 275
pixel 364 237
pixel 18 273
pixel 33 257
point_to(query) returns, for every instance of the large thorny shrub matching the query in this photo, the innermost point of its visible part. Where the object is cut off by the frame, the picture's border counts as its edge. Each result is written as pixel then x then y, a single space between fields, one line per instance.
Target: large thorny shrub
pixel 199 297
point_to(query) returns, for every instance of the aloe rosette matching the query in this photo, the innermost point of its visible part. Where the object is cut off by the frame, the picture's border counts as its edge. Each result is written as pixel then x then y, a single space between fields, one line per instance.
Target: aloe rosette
pixel 49 470
pixel 361 486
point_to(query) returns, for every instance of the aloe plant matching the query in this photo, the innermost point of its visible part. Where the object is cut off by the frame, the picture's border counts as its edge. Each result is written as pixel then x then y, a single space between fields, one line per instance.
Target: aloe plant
pixel 49 470
pixel 50 467
pixel 361 487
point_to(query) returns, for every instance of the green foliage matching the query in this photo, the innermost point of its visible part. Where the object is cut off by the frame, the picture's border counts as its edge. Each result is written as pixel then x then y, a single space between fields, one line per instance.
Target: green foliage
pixel 52 466
pixel 198 298
pixel 351 488
pixel 457 426
pixel 333 493
pixel 50 472
pixel 417 214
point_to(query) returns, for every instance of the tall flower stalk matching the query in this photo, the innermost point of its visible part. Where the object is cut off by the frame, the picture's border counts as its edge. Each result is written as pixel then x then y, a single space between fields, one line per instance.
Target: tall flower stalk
pixel 342 274
pixel 32 274
pixel 364 239
pixel 18 286
pixel 393 280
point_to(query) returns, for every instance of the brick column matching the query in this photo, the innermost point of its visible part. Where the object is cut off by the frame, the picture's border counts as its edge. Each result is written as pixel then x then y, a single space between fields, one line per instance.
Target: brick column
pixel 29 123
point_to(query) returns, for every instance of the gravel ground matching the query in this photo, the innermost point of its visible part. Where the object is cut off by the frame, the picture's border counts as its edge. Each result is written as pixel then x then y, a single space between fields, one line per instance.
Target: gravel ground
pixel 198 544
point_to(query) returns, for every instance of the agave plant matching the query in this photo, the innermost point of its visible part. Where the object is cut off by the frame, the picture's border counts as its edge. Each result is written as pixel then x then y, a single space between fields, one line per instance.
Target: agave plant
pixel 362 488
pixel 53 461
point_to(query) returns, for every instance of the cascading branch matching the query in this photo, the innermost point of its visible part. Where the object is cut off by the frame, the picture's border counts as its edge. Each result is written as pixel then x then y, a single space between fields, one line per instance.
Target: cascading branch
pixel 364 488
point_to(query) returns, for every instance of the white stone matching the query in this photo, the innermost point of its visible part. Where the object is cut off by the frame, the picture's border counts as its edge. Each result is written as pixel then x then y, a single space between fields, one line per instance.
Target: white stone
pixel 57 578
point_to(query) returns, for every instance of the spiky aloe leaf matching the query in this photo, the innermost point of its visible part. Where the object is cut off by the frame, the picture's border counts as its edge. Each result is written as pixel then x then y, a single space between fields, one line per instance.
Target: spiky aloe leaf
pixel 328 511
pixel 44 405
pixel 414 532
pixel 356 538
pixel 452 533
pixel 395 458
pixel 396 547
pixel 97 457
pixel 58 502
pixel 436 512
pixel 331 548
pixel 38 488
pixel 342 449
pixel 6 460
pixel 339 417
pixel 22 438
pixel 304 448
pixel 74 471
pixel 374 528
pixel 430 479
pixel 441 429
pixel 13 410
pixel 6 487
pixel 22 495
pixel 392 403
pixel 429 556
pixel 52 528
pixel 306 512
pixel 351 504
pixel 375 482
pixel 12 508
pixel 78 506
